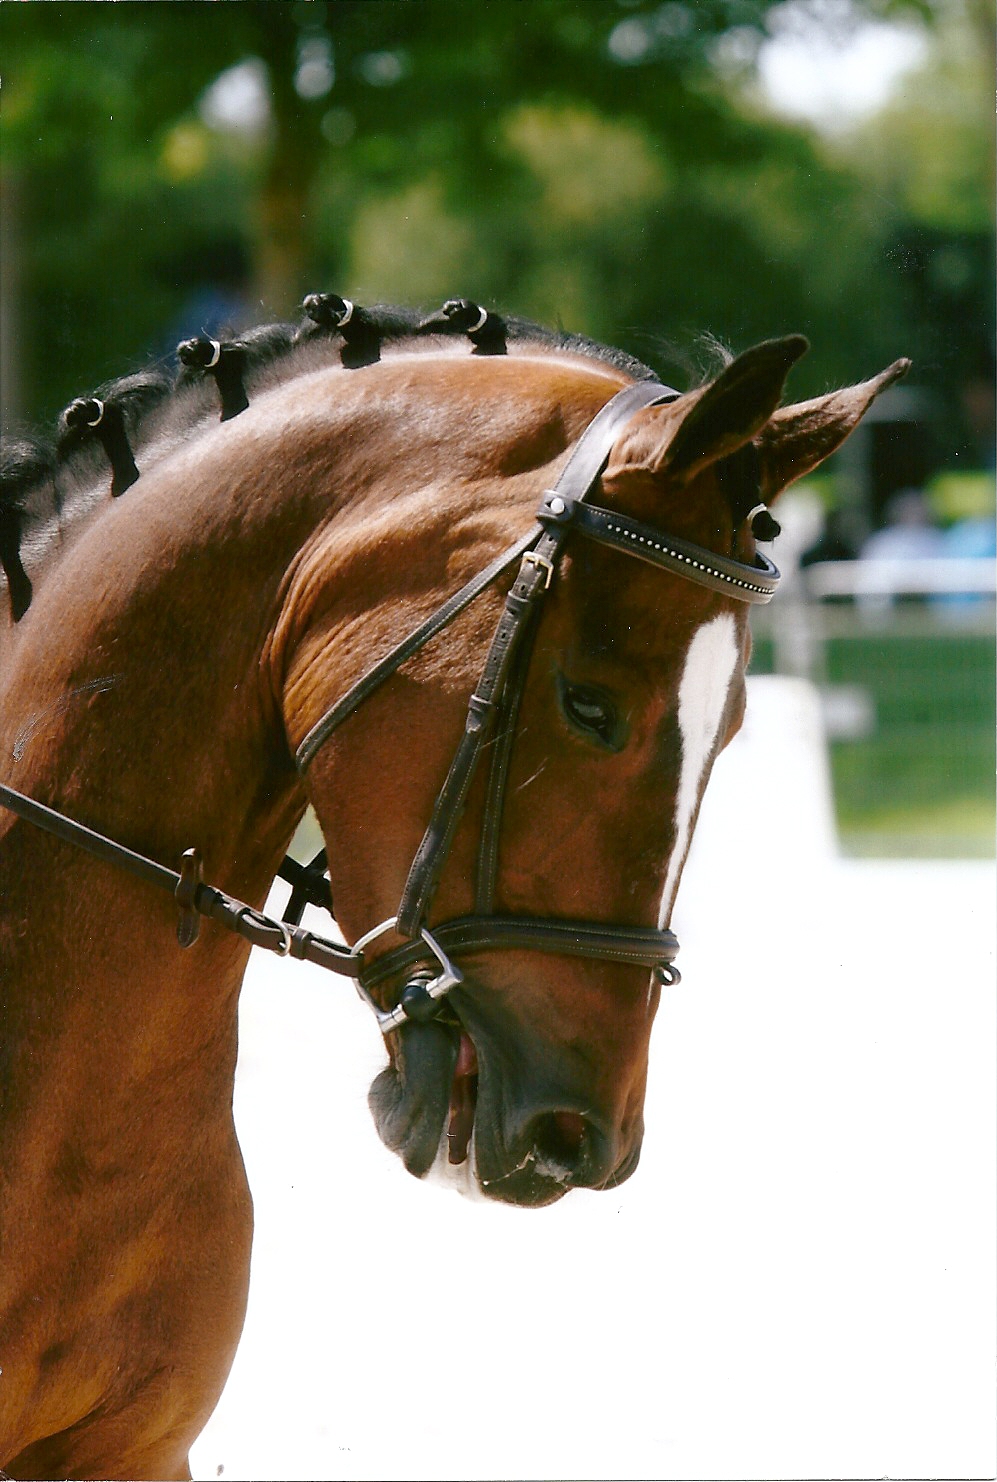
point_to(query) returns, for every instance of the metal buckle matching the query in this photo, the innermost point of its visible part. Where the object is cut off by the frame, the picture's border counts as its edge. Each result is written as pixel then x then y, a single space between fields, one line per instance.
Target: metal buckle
pixel 423 994
pixel 450 975
pixel 372 936
pixel 667 974
pixel 541 563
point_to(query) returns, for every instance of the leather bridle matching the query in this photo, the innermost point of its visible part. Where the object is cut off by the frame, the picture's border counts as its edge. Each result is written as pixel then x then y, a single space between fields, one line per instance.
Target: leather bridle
pixel 491 718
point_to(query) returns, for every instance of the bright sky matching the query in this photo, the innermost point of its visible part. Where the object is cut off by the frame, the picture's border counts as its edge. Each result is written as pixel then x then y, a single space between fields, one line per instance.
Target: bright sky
pixel 821 67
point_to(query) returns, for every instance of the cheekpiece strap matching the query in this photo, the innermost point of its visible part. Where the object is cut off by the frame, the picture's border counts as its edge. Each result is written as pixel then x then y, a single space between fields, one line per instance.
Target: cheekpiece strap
pixel 585 463
pixel 532 581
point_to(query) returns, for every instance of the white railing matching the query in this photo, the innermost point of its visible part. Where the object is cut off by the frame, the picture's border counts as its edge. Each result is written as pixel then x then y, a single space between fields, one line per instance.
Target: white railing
pixel 958 595
pixel 954 576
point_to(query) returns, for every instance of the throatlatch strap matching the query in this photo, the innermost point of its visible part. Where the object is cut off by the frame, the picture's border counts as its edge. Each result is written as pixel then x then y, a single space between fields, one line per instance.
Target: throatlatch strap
pixel 384 668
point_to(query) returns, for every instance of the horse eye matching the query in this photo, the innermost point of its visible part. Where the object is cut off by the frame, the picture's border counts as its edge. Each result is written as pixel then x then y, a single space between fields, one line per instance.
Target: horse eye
pixel 591 712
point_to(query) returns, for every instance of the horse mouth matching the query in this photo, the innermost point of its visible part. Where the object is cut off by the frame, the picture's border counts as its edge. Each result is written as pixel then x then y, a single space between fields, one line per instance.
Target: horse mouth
pixel 424 1103
pixel 463 1101
pixel 427 1106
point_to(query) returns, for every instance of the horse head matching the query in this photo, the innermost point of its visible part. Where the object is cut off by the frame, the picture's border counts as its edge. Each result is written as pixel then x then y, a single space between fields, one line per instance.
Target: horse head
pixel 530 1079
pixel 298 585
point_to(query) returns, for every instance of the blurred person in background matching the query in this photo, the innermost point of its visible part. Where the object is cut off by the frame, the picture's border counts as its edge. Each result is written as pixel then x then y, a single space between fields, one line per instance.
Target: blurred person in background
pixel 910 534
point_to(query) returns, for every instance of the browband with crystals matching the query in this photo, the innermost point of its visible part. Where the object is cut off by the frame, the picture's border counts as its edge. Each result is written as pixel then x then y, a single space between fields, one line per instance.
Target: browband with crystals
pixel 756 583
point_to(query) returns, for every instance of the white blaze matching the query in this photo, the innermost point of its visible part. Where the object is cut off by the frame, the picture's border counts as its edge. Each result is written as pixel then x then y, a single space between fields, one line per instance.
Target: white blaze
pixel 706 676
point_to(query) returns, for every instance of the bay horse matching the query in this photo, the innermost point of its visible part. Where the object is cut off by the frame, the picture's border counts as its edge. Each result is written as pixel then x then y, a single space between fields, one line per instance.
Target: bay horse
pixel 340 565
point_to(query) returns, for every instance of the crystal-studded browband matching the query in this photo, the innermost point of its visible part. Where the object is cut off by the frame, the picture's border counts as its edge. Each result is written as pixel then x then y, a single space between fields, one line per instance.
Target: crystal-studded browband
pixel 756 583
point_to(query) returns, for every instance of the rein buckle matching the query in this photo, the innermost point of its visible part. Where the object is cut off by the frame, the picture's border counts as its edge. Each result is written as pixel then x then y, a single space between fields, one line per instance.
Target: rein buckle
pixel 191 876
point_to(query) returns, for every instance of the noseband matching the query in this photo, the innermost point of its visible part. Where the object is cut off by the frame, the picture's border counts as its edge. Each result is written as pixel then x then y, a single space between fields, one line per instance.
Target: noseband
pixel 491 717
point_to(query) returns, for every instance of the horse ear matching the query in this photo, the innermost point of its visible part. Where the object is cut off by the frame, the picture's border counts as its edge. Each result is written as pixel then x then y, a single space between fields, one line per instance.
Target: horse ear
pixel 731 409
pixel 683 437
pixel 797 438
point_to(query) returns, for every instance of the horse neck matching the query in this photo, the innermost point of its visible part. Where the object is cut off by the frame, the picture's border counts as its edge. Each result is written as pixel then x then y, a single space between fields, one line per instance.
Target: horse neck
pixel 133 699
pixel 144 693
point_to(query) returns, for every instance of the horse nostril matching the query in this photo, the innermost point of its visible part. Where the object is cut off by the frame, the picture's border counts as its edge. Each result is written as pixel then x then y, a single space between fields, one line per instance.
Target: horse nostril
pixel 568 1146
pixel 567 1133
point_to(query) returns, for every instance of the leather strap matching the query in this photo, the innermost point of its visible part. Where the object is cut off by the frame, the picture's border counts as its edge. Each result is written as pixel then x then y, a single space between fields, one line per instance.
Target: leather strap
pixel 584 464
pixel 756 583
pixel 486 880
pixel 498 694
pixel 481 712
pixel 205 900
pixel 637 946
pixel 591 452
pixel 418 638
pixel 309 886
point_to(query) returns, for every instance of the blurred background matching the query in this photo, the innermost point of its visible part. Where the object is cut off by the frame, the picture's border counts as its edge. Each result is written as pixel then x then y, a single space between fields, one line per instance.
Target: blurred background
pixel 643 171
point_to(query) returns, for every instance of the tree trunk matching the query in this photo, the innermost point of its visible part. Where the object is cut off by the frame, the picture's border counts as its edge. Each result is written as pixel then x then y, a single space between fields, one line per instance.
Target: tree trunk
pixel 281 228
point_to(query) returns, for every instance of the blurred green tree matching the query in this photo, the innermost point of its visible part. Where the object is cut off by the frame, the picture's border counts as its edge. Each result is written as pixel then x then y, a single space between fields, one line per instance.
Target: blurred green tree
pixel 932 167
pixel 592 161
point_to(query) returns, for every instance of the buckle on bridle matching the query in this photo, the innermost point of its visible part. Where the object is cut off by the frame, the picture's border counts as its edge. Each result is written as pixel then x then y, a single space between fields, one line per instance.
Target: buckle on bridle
pixel 541 563
pixel 420 997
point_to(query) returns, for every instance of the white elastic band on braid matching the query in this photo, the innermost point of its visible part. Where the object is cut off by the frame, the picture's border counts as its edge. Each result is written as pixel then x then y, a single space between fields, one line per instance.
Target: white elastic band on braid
pixel 758 509
pixel 480 324
pixel 216 354
pixel 348 315
pixel 96 421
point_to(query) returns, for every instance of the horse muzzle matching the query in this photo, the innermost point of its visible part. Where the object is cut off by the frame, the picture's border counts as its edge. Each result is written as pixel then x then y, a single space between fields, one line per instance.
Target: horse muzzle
pixel 551 1151
pixel 520 1140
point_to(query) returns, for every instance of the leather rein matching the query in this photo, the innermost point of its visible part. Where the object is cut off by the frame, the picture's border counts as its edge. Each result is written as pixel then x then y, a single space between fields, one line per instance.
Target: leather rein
pixel 492 713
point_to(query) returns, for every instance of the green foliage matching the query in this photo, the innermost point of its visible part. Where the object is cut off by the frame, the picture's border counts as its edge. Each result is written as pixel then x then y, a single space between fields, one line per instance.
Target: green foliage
pixel 926 163
pixel 593 162
pixel 928 149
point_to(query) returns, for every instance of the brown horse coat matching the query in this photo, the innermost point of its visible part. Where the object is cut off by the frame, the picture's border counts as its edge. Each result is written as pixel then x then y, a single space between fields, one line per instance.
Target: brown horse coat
pixel 169 663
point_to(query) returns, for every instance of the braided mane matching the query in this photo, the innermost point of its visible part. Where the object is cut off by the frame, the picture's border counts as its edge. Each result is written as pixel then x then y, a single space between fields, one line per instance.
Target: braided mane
pixel 43 478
